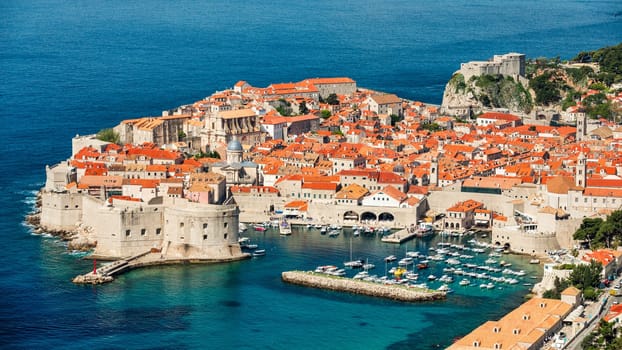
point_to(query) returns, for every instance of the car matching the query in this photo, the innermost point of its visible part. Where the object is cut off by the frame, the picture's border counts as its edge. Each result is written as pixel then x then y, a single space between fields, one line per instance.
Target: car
pixel 616 302
pixel 617 286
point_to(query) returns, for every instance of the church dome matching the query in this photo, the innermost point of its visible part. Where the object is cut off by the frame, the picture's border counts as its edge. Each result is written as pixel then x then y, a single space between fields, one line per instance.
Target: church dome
pixel 234 145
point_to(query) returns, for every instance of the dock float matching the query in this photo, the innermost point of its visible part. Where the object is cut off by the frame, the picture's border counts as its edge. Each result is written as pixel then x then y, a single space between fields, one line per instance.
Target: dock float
pixel 342 284
pixel 400 236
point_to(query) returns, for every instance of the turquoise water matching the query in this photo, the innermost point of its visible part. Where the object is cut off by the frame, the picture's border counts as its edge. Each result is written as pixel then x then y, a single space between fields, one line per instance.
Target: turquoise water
pixel 73 67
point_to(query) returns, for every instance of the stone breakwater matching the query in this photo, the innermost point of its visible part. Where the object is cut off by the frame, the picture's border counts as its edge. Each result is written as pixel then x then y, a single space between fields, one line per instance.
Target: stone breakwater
pixel 341 284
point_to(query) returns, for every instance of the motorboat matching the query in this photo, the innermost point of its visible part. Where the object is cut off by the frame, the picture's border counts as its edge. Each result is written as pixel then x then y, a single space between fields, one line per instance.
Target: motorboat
pixel 534 261
pixel 390 258
pixel 405 261
pixel 425 229
pixel 368 266
pixel 259 252
pixel 361 275
pixel 285 228
pixel 465 282
pixel 445 288
pixel 353 264
pixel 323 230
pixel 334 233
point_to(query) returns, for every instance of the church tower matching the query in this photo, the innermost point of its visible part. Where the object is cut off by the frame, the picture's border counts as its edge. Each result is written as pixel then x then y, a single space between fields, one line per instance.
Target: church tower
pixel 580 171
pixel 434 172
pixel 581 126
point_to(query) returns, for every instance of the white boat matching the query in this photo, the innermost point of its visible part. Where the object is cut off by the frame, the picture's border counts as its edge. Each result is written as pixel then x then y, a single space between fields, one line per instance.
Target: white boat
pixel 361 275
pixel 465 282
pixel 334 233
pixel 445 288
pixel 356 233
pixel 368 266
pixel 411 276
pixel 390 258
pixel 318 226
pixel 534 261
pixel 242 227
pixel 309 226
pixel 285 228
pixel 425 229
pixel 353 264
pixel 431 277
pixel 405 261
pixel 259 252
pixel 323 229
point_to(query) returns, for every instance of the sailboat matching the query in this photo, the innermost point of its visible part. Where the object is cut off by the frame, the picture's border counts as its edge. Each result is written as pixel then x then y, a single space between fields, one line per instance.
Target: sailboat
pixel 353 264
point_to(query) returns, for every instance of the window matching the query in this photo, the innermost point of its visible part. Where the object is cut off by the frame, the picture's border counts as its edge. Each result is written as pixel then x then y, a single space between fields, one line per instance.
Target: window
pixel 226 224
pixel 128 233
pixel 225 236
pixel 516 331
pixel 204 237
pixel 158 231
pixel 143 231
pixel 181 225
pixel 204 226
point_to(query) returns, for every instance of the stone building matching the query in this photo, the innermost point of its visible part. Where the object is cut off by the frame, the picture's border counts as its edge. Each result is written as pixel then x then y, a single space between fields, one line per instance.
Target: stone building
pixel 224 126
pixel 510 64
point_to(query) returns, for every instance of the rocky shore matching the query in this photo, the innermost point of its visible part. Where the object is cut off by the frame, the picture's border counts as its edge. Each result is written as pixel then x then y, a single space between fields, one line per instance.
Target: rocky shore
pixel 341 284
pixel 77 239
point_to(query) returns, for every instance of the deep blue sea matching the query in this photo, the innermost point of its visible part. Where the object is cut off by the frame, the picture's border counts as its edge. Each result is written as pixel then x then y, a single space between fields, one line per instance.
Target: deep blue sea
pixel 74 67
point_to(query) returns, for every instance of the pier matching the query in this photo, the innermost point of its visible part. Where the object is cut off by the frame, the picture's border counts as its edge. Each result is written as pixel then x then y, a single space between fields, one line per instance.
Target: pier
pixel 152 257
pixel 400 236
pixel 341 284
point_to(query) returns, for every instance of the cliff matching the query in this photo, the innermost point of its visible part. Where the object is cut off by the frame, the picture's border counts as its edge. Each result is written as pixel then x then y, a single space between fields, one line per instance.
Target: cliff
pixel 485 92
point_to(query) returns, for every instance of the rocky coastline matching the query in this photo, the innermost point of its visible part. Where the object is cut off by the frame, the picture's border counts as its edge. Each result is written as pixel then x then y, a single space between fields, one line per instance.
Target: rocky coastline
pixel 77 239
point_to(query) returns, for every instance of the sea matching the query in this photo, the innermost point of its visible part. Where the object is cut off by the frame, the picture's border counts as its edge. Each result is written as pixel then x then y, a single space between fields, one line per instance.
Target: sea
pixel 75 67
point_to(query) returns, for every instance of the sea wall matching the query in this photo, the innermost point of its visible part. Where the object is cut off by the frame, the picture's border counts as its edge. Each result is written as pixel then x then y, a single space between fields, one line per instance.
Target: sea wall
pixel 394 292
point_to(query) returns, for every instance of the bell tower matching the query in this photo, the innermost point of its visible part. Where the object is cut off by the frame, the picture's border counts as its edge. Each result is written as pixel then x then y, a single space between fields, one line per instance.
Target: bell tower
pixel 580 171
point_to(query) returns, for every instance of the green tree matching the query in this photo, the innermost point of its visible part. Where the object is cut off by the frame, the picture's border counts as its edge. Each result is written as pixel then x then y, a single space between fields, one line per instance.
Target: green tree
pixel 395 119
pixel 181 135
pixel 108 135
pixel 303 108
pixel 588 229
pixel 547 90
pixel 332 99
pixel 586 276
pixel 325 114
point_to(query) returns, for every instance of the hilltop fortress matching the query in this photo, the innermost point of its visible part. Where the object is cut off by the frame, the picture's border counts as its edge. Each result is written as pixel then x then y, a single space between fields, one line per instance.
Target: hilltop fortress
pixel 509 64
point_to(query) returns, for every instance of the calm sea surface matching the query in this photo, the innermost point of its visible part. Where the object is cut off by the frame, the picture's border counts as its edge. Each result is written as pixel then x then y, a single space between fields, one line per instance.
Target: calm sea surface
pixel 74 67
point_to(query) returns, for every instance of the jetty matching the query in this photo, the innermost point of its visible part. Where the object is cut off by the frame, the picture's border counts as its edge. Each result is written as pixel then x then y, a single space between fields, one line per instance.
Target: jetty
pixel 400 236
pixel 342 284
